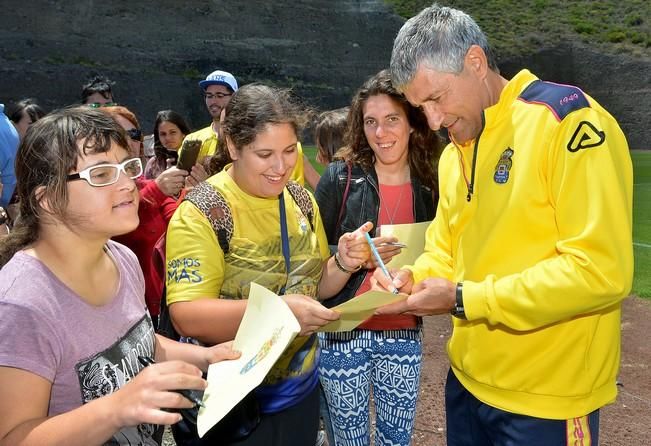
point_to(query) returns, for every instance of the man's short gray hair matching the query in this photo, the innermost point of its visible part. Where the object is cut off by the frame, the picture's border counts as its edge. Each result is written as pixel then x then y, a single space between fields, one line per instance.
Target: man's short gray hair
pixel 438 37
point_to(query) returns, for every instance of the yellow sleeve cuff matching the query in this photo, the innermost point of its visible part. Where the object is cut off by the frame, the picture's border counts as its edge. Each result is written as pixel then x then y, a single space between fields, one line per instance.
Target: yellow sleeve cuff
pixel 474 300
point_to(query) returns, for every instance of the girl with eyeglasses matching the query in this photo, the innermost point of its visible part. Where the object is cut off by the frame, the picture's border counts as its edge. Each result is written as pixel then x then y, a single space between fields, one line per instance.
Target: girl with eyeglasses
pixel 157 205
pixel 74 322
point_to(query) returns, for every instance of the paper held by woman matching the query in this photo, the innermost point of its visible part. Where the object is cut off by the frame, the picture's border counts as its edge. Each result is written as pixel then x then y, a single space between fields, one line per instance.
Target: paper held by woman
pixel 261 339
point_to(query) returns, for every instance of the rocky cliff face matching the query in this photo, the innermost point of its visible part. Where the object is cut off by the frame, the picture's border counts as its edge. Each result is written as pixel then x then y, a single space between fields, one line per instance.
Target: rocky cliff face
pixel 157 52
pixel 621 84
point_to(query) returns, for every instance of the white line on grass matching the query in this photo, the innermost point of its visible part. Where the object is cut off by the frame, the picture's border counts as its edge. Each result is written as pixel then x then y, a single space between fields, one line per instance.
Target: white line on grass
pixel 643 245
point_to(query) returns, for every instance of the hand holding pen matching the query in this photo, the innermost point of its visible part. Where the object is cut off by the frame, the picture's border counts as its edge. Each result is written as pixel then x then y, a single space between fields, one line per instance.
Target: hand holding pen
pixel 352 250
pixel 381 264
pixel 151 396
pixel 187 393
pixel 387 247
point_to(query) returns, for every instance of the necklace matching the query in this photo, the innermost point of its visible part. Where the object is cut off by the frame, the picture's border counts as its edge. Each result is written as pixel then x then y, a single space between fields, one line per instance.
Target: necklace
pixel 384 204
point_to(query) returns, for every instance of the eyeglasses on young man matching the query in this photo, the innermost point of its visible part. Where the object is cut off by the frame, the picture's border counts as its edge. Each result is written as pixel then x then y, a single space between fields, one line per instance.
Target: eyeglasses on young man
pixel 218 95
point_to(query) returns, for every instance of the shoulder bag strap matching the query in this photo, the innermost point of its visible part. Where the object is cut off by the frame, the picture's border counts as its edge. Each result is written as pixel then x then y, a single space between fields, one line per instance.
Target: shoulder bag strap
pixel 285 239
pixel 345 196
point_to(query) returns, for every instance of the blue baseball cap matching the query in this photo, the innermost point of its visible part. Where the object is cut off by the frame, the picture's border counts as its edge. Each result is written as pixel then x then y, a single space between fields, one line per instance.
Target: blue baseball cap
pixel 219 77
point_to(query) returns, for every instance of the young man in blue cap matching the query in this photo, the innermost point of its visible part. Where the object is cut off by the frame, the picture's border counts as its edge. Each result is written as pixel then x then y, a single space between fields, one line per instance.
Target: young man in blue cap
pixel 217 90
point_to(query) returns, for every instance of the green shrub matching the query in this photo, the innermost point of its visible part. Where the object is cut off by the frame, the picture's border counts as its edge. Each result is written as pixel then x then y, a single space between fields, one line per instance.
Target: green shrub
pixel 584 27
pixel 634 19
pixel 540 5
pixel 616 36
pixel 637 37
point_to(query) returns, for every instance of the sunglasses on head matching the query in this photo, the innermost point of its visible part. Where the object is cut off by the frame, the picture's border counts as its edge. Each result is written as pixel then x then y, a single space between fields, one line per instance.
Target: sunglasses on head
pixel 99 104
pixel 134 134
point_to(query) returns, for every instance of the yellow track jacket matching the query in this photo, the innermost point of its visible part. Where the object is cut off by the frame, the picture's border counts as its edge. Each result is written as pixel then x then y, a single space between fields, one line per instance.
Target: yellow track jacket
pixel 543 248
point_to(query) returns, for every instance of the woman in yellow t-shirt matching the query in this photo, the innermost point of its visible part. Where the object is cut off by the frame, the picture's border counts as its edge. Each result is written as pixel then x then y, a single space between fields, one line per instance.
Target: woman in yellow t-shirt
pixel 208 277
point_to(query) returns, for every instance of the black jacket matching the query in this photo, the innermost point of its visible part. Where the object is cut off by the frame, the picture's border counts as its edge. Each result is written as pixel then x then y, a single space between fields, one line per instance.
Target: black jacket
pixel 362 205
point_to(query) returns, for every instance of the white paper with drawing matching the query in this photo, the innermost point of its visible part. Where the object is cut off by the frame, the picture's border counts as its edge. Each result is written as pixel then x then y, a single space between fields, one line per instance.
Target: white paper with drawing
pixel 267 328
pixel 413 235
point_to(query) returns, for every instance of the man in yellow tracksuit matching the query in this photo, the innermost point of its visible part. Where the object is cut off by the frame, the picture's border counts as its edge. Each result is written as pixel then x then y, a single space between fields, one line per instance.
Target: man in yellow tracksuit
pixel 531 247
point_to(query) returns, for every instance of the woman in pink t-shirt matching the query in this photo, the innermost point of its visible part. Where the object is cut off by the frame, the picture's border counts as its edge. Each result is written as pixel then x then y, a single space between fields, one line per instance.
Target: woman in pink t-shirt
pixel 75 330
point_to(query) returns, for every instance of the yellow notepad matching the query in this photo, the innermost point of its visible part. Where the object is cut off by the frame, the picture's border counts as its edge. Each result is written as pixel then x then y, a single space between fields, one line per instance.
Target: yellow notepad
pixel 359 308
pixel 412 235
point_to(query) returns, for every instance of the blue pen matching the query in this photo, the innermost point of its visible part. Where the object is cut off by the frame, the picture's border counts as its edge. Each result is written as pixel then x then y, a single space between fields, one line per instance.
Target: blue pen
pixel 379 261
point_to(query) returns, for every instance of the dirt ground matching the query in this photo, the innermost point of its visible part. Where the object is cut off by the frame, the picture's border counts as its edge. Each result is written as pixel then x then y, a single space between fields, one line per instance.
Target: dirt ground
pixel 626 422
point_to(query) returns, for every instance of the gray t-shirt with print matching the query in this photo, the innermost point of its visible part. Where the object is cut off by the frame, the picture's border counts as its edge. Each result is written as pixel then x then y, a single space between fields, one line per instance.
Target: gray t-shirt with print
pixel 85 351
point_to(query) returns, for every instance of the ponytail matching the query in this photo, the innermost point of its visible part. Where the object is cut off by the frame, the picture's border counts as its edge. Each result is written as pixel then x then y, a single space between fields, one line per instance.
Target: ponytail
pixel 24 233
pixel 219 160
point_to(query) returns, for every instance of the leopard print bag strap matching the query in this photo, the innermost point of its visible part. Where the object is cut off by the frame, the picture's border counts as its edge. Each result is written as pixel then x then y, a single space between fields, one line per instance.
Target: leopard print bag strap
pixel 302 198
pixel 216 209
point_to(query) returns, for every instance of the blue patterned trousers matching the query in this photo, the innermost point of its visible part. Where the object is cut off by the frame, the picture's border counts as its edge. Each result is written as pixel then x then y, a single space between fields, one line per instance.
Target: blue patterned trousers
pixel 389 361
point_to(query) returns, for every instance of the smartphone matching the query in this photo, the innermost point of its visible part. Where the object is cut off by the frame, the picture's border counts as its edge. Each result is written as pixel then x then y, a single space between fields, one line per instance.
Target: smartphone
pixel 398 244
pixel 189 154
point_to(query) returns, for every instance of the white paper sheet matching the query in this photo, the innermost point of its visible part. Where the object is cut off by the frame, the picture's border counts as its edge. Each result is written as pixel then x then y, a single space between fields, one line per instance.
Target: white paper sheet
pixel 267 328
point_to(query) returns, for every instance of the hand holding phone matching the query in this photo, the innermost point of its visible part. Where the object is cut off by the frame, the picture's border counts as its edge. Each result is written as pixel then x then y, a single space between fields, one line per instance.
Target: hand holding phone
pixel 188 155
pixel 172 156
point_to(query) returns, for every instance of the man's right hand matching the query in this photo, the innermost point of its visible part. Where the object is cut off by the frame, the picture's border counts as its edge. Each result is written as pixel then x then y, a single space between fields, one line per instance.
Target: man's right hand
pixel 403 280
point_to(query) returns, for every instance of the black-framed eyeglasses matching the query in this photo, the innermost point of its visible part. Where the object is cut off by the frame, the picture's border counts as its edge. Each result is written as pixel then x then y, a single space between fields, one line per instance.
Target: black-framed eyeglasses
pixel 218 95
pixel 107 174
pixel 135 134
pixel 99 104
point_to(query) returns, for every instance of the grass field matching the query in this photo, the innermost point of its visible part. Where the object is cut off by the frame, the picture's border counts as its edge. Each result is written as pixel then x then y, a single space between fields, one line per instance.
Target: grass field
pixel 641 217
pixel 642 222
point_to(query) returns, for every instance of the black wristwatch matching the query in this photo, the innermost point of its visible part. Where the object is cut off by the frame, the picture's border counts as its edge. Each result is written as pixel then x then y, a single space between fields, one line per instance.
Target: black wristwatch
pixel 458 310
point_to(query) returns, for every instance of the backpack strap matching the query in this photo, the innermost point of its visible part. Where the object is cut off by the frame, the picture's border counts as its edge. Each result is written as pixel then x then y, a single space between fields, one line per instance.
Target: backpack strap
pixel 302 198
pixel 216 209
